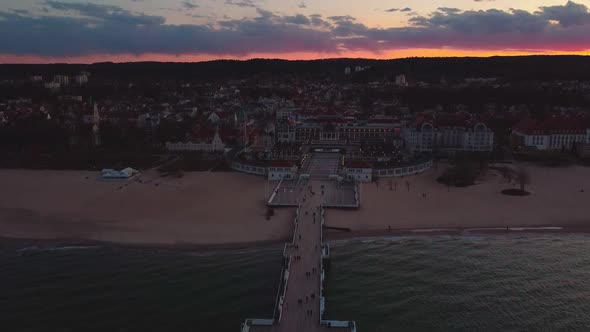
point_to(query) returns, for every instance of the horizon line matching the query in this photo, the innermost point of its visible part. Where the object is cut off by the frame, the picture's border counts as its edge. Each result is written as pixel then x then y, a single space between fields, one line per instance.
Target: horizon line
pixel 296 60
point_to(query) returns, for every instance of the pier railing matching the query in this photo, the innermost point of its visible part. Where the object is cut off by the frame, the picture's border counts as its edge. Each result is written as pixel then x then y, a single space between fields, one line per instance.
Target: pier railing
pixel 256 322
pixel 357 194
pixel 350 326
pixel 285 278
pixel 343 197
pixel 328 323
pixel 275 192
pixel 283 284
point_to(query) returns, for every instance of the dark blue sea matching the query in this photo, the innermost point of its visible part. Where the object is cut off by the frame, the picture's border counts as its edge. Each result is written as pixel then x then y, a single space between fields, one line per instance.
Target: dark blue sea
pixel 439 283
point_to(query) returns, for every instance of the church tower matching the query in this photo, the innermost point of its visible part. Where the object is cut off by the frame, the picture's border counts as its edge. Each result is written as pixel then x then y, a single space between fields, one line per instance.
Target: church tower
pixel 96 127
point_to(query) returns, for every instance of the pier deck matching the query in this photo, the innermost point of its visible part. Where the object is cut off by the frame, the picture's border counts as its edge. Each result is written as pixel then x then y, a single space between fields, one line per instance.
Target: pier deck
pixel 300 306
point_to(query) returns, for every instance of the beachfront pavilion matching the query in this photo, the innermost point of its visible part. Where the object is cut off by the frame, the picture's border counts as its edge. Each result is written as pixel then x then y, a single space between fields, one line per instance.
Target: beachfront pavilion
pixel 111 174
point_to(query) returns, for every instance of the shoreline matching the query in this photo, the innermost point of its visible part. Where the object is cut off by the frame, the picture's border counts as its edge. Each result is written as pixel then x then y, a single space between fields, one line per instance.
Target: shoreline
pixel 425 232
pixel 180 247
pixel 213 211
pixel 331 236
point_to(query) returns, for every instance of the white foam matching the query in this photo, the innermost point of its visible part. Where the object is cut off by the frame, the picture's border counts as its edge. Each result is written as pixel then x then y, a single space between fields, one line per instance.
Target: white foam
pixel 64 248
pixel 431 230
pixel 486 229
pixel 516 229
pixel 553 228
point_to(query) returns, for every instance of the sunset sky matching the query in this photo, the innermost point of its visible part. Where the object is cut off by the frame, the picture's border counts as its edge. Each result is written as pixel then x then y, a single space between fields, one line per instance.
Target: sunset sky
pixel 40 31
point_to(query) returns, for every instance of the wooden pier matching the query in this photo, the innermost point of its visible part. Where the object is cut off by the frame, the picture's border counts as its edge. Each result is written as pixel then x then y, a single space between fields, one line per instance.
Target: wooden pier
pixel 301 302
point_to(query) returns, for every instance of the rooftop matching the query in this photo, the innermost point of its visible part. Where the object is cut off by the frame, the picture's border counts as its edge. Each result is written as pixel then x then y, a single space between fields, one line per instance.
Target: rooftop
pixel 554 124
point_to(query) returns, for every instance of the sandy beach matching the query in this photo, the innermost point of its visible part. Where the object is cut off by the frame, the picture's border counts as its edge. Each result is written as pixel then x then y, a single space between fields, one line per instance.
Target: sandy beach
pixel 200 208
pixel 556 200
pixel 227 209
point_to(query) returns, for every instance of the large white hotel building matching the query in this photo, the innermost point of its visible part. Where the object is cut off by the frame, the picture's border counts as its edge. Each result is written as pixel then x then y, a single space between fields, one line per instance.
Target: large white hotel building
pixel 451 132
pixel 553 133
pixel 448 132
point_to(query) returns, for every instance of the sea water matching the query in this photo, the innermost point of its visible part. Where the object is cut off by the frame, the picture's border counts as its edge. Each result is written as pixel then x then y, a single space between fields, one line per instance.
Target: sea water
pixel 423 283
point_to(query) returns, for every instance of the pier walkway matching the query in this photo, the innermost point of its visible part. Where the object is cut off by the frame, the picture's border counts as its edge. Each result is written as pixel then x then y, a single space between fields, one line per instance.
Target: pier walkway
pixel 301 302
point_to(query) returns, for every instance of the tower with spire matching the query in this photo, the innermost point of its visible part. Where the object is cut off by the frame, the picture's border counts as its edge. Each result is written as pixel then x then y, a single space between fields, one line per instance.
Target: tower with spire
pixel 96 127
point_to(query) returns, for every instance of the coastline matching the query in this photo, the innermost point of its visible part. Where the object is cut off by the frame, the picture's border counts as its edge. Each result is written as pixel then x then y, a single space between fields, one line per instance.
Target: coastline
pixel 216 211
pixel 7 242
pixel 418 232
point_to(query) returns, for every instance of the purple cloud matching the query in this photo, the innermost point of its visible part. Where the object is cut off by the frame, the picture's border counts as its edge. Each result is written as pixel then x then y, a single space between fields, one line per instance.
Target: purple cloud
pixel 241 3
pixel 107 29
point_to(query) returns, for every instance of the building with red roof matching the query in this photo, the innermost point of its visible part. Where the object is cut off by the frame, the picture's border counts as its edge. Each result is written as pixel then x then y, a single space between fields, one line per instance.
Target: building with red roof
pixel 552 133
pixel 459 131
pixel 206 140
pixel 340 128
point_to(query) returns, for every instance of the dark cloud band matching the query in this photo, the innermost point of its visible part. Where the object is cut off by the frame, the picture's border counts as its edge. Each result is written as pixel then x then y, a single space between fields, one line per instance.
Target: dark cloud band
pixel 78 29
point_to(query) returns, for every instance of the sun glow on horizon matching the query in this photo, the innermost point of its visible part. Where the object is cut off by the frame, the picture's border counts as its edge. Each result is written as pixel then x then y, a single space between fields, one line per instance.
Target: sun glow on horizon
pixel 385 55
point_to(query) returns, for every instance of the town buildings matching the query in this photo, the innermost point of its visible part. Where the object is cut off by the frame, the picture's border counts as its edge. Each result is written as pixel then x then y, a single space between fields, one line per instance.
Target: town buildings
pixel 400 80
pixel 81 79
pixel 458 132
pixel 452 132
pixel 61 79
pixel 553 133
pixel 201 144
pixel 336 128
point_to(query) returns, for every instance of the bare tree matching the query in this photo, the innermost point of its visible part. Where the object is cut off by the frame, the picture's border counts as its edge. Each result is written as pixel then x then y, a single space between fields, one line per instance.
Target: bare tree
pixel 522 177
